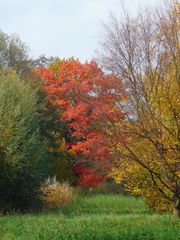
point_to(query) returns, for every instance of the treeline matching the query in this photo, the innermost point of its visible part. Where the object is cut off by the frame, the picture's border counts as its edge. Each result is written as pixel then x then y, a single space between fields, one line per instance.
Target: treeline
pixel 74 121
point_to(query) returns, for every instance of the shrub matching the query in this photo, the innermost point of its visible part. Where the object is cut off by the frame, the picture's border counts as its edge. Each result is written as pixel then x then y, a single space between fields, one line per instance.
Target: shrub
pixel 110 188
pixel 57 195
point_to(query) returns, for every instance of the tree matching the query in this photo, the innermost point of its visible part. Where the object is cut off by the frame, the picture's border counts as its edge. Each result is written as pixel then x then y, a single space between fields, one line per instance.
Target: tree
pixel 54 132
pixel 145 53
pixel 86 98
pixel 22 158
pixel 14 54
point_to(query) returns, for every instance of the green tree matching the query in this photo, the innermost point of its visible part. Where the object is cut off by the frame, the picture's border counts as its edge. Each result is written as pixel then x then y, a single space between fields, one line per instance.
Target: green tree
pixel 52 129
pixel 14 54
pixel 22 158
pixel 54 134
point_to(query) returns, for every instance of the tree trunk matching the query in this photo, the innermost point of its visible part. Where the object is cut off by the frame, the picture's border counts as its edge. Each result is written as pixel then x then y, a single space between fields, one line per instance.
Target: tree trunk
pixel 176 209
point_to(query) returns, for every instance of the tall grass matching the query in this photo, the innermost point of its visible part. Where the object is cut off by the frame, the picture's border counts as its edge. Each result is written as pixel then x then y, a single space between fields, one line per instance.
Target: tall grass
pixel 56 195
pixel 105 204
pixel 100 217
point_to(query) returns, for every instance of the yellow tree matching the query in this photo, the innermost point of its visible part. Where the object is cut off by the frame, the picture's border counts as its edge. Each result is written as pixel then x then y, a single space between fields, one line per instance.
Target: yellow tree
pixel 147 157
pixel 145 53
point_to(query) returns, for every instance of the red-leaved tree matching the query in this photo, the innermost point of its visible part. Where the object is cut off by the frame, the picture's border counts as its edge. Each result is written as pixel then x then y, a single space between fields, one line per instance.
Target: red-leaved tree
pixel 88 100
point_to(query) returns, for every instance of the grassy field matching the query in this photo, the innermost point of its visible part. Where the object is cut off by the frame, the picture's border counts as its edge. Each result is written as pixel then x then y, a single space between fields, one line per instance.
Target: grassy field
pixel 99 217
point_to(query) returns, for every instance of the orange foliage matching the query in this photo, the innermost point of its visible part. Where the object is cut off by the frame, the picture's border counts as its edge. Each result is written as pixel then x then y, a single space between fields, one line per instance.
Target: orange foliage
pixel 88 100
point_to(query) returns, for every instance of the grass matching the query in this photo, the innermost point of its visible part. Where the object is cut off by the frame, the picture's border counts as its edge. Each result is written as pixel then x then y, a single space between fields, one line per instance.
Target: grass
pixel 105 204
pixel 99 217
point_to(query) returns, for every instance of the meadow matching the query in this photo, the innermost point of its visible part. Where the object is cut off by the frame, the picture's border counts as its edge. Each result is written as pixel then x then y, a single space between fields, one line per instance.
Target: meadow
pixel 96 217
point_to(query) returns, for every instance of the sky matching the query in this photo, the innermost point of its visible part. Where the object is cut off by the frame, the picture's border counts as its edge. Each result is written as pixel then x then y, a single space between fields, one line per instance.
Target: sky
pixel 63 28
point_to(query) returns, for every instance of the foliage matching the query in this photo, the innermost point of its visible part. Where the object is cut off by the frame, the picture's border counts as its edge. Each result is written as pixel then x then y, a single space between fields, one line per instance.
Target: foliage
pixel 108 187
pixel 88 177
pixel 22 157
pixel 62 162
pixel 53 132
pixel 14 54
pixel 144 52
pixel 86 98
pixel 57 195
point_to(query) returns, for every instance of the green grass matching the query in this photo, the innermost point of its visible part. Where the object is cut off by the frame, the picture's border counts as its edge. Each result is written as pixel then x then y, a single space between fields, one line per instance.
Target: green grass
pixel 99 217
pixel 105 204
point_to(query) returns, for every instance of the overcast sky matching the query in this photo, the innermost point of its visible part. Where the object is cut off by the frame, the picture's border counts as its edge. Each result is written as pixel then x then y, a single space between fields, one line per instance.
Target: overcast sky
pixel 63 28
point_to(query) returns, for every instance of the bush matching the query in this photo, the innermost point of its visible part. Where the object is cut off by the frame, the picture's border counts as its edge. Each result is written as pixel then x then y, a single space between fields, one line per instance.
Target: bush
pixel 56 195
pixel 108 187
